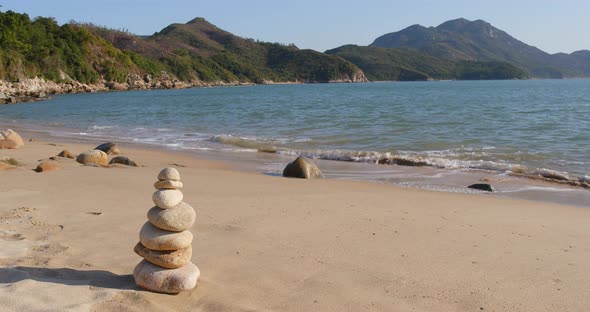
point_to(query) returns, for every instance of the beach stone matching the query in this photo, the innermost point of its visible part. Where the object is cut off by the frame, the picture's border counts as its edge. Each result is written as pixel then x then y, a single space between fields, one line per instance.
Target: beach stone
pixel 5 166
pixel 171 281
pixel 169 174
pixel 170 259
pixel 123 160
pixel 482 187
pixel 10 139
pixel 67 154
pixel 179 218
pixel 167 199
pixel 109 148
pixel 93 157
pixel 168 185
pixel 47 166
pixel 302 168
pixel 158 239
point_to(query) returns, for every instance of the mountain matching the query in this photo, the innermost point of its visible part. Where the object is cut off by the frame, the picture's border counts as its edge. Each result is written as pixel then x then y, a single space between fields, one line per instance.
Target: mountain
pixel 404 64
pixel 464 40
pixel 193 52
pixel 200 50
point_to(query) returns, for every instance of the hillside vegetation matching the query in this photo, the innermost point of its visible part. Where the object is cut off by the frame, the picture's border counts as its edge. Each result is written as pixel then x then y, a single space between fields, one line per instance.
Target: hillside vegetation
pixel 194 51
pixel 411 65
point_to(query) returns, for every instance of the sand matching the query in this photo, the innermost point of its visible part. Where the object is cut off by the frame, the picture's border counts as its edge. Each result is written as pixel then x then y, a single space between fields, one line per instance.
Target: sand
pixel 267 243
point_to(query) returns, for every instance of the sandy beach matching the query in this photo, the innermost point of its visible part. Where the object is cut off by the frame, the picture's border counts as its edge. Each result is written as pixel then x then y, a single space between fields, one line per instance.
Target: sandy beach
pixel 266 243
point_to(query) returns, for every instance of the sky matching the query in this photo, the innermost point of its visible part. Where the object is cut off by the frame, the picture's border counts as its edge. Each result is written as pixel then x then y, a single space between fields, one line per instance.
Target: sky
pixel 553 26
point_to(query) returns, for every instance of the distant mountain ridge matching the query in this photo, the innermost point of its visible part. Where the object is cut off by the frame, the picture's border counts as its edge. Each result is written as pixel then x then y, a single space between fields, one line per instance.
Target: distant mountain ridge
pixel 404 64
pixel 465 40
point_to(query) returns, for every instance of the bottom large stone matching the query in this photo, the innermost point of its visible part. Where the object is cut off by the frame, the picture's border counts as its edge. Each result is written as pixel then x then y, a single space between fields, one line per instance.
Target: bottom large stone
pixel 170 281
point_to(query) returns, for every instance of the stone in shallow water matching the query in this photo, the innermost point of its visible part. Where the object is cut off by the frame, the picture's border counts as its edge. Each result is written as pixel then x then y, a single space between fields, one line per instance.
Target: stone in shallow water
pixel 167 199
pixel 179 218
pixel 302 168
pixel 482 187
pixel 169 174
pixel 171 281
pixel 168 185
pixel 171 259
pixel 158 239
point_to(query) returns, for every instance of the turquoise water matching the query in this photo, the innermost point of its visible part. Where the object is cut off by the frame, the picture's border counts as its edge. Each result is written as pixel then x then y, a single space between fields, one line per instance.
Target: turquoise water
pixel 493 125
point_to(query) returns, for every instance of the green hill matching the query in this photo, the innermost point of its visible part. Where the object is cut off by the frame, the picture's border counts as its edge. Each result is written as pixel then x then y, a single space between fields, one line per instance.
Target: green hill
pixel 411 65
pixel 196 51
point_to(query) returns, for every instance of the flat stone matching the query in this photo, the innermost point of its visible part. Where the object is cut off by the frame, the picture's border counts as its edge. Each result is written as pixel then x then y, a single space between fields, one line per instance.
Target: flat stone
pixel 179 218
pixel 109 148
pixel 158 239
pixel 47 166
pixel 167 199
pixel 123 160
pixel 170 259
pixel 93 157
pixel 168 184
pixel 5 166
pixel 67 154
pixel 169 174
pixel 170 281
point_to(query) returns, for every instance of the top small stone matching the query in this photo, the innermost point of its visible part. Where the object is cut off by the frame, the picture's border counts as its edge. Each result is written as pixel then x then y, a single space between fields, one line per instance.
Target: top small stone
pixel 170 174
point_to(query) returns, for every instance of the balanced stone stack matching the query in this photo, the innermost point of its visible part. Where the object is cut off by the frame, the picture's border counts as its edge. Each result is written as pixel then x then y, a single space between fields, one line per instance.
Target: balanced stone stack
pixel 165 241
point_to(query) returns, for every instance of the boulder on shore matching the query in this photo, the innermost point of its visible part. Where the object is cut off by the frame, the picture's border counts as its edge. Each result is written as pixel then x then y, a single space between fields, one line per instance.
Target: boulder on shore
pixel 94 157
pixel 109 148
pixel 10 139
pixel 482 187
pixel 302 168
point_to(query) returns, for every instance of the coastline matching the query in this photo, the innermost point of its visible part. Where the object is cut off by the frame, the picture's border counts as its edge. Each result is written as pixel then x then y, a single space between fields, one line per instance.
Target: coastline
pixel 430 178
pixel 270 243
pixel 39 89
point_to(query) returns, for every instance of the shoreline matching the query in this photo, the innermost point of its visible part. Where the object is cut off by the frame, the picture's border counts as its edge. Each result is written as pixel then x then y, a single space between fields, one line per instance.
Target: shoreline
pixel 271 243
pixel 39 89
pixel 259 162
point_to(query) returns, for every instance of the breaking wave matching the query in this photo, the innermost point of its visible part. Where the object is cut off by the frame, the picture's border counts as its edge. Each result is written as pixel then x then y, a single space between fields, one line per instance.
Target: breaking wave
pixel 438 159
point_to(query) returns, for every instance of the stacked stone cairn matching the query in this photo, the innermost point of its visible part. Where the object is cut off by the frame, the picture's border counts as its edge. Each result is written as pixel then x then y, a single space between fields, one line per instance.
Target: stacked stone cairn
pixel 165 242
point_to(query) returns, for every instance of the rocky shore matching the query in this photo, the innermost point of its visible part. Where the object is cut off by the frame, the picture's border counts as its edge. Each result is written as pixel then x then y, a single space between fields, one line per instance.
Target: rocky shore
pixel 36 89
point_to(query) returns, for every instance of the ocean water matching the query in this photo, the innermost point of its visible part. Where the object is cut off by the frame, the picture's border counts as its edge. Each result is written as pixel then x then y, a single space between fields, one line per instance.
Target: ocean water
pixel 496 127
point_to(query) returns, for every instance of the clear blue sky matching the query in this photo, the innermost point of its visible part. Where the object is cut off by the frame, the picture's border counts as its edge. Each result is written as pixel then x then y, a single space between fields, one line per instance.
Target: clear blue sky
pixel 553 26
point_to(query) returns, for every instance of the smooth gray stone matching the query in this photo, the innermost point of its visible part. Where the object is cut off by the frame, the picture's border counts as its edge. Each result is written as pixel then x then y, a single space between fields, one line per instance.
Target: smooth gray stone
pixel 158 239
pixel 179 218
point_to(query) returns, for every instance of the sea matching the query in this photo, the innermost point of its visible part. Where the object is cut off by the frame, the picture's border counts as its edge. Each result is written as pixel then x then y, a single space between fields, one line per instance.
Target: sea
pixel 439 135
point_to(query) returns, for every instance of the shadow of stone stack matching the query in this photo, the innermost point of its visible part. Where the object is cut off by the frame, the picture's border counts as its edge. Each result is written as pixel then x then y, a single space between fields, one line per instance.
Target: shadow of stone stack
pixel 165 241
